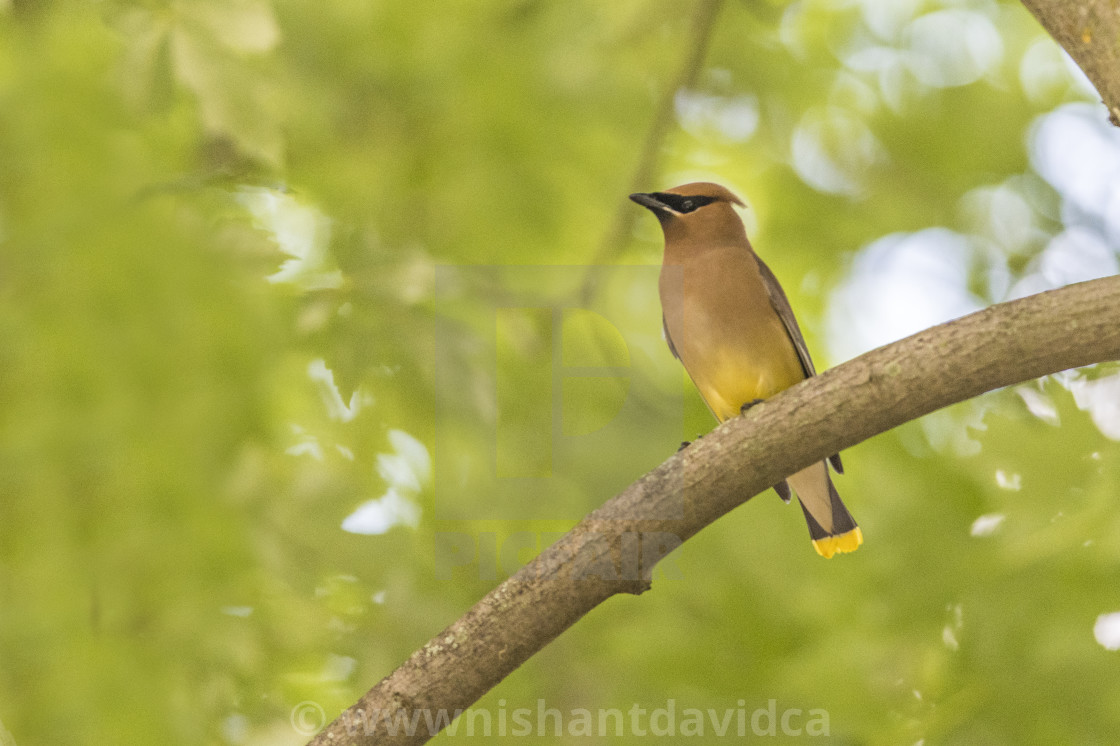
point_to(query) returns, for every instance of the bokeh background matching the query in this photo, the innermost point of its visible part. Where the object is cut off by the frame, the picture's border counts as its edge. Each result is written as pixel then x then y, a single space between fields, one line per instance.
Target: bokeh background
pixel 317 318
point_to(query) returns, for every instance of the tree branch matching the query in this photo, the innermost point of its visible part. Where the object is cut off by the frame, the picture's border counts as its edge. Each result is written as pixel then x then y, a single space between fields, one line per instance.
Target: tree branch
pixel 1090 31
pixel 614 549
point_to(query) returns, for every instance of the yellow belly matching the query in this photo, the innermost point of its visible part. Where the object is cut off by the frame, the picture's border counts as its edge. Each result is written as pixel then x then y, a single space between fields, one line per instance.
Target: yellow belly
pixel 729 377
pixel 725 330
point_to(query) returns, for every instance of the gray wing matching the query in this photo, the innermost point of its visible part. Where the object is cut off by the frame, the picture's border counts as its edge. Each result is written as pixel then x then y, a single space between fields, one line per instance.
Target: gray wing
pixel 668 339
pixel 781 305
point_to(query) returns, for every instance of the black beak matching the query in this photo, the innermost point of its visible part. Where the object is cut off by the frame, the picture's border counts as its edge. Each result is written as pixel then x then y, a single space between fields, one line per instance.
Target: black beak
pixel 650 202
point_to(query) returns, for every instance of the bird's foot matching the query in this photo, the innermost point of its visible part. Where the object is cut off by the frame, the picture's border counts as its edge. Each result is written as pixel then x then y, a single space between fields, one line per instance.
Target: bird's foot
pixel 743 409
pixel 686 443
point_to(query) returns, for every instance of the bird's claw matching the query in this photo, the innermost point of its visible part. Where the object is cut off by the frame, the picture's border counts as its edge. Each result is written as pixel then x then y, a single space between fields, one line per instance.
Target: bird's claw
pixel 743 409
pixel 686 443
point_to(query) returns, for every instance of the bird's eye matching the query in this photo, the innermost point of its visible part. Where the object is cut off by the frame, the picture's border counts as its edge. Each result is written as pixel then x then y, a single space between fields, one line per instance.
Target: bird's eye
pixel 682 204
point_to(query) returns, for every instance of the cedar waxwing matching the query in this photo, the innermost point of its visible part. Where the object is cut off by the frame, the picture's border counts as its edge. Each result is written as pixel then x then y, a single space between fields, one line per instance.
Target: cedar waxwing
pixel 729 322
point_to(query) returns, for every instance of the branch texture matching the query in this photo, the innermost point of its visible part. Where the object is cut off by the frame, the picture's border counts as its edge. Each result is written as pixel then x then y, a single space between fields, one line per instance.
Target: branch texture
pixel 1090 31
pixel 614 549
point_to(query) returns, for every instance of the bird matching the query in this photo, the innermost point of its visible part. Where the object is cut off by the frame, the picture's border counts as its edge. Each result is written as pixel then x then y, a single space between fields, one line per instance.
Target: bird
pixel 728 321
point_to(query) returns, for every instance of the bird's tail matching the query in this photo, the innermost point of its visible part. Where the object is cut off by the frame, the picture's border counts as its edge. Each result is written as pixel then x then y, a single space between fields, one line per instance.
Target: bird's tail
pixel 831 526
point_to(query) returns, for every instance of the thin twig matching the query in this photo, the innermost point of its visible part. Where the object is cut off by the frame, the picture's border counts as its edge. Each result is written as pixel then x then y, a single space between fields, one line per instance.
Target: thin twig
pixel 703 28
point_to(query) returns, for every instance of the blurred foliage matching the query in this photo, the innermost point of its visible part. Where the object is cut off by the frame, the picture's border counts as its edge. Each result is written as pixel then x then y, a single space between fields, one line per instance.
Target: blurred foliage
pixel 273 269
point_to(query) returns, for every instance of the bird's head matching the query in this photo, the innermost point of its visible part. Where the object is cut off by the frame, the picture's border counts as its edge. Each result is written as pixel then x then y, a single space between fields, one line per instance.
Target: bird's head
pixel 700 209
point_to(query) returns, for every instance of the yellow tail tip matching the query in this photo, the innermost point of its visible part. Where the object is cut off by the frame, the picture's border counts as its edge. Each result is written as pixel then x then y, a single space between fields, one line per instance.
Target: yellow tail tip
pixel 839 544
